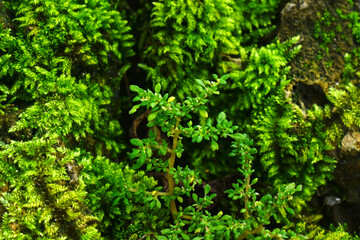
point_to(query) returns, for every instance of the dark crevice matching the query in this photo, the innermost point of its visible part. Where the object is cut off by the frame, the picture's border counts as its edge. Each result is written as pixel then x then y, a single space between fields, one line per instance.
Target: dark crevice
pixel 268 38
pixel 308 95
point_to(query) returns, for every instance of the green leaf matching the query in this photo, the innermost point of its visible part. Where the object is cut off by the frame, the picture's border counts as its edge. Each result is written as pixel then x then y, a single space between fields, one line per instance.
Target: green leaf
pixel 116 201
pixel 221 117
pixel 185 236
pixel 161 238
pixel 178 154
pixel 204 114
pixel 200 82
pixel 158 88
pixel 224 78
pixel 135 88
pixel 195 197
pixel 134 153
pixel 134 108
pixel 172 98
pixel 136 142
pixel 152 204
pixel 266 198
pixel 199 138
pixel 219 227
pixel 152 116
pixel 214 145
pixel 158 204
pixel 141 160
pixel 180 199
pixel 254 181
pixel 153 104
pixel 289 187
pixel 215 76
pixel 227 234
pixel 207 189
pixel 290 210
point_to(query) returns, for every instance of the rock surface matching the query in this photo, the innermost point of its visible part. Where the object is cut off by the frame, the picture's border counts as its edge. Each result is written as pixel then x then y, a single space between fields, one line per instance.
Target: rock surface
pixel 300 17
pixel 317 68
pixel 350 145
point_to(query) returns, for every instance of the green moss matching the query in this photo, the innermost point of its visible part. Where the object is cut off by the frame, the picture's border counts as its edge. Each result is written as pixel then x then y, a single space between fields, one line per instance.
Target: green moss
pixel 190 38
pixel 116 196
pixel 66 62
pixel 42 195
pixel 56 59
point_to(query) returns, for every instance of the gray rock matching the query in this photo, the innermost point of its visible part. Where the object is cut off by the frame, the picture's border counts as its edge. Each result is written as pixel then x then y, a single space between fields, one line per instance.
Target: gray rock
pixel 350 144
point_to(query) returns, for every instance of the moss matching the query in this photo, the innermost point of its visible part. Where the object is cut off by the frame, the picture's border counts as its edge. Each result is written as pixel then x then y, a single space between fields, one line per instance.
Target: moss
pixel 67 63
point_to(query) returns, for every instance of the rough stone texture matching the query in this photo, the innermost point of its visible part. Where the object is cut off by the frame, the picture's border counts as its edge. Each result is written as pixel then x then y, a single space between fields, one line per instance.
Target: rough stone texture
pixel 347 173
pixel 312 78
pixel 350 145
pixel 299 18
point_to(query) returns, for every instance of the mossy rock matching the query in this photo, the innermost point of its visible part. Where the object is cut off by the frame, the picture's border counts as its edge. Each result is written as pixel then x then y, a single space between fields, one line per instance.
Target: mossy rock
pixel 321 60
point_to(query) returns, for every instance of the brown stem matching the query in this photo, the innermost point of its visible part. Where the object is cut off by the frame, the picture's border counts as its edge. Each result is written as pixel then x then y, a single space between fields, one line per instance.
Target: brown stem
pixel 170 177
pixel 187 217
pixel 247 197
pixel 251 232
pixel 146 235
pixel 256 230
pixel 247 189
pixel 161 194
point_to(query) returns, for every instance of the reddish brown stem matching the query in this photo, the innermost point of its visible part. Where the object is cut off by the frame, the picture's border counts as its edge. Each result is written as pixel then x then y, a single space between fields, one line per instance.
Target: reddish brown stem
pixel 251 232
pixel 170 177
